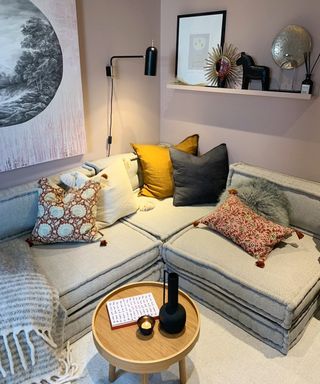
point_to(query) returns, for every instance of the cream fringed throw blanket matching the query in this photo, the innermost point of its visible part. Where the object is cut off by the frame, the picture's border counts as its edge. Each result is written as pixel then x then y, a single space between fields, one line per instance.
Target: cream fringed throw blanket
pixel 31 322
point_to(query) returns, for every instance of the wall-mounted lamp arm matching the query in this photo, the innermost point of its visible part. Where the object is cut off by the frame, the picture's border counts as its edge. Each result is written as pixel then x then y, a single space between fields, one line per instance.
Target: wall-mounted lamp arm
pixel 109 67
pixel 150 63
pixel 150 69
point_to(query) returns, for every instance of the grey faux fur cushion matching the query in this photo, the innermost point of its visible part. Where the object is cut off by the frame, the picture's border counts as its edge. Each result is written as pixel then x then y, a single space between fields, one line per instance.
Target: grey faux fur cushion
pixel 263 197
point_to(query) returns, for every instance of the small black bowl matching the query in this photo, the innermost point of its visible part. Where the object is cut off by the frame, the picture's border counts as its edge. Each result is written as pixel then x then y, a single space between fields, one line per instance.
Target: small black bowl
pixel 146 324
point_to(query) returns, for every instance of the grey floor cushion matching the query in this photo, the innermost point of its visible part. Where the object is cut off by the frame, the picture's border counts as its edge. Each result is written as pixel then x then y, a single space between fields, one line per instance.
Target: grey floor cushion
pixel 273 303
pixel 79 323
pixel 83 273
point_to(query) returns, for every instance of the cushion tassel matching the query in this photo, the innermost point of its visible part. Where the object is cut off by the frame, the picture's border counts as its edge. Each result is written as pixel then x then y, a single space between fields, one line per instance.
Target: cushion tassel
pixel 196 223
pixel 29 241
pixel 299 234
pixel 261 262
pixel 233 191
pixel 103 243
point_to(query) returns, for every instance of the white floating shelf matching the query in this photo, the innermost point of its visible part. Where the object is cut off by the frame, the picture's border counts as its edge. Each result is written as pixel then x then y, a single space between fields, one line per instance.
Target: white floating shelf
pixel 244 92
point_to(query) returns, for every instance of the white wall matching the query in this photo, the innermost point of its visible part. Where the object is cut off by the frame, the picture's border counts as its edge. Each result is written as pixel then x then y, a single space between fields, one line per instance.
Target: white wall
pixel 107 28
pixel 279 134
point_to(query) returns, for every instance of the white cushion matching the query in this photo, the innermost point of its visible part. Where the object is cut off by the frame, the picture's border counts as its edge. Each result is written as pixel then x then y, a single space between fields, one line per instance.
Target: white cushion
pixel 130 161
pixel 116 198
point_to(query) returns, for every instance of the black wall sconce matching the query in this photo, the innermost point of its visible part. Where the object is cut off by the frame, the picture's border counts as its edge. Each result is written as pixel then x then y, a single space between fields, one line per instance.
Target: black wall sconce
pixel 150 69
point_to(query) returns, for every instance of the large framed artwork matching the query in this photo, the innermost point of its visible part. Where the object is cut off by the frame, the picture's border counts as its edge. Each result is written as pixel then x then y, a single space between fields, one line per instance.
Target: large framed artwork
pixel 41 105
pixel 197 34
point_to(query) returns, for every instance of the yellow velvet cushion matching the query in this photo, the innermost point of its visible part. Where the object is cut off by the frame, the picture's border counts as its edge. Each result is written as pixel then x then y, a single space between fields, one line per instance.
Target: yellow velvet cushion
pixel 157 167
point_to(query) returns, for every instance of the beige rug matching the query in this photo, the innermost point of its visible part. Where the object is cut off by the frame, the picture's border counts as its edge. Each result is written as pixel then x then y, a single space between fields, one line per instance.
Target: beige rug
pixel 224 354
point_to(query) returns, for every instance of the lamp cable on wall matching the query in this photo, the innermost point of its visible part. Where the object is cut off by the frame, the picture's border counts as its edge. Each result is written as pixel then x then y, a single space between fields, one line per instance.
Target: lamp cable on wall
pixel 149 70
pixel 109 139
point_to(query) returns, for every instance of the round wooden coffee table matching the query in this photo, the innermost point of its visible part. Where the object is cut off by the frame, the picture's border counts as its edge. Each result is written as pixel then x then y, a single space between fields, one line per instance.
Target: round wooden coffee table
pixel 126 349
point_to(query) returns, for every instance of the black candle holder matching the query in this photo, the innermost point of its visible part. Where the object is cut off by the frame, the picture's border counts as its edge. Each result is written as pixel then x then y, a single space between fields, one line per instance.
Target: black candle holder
pixel 146 324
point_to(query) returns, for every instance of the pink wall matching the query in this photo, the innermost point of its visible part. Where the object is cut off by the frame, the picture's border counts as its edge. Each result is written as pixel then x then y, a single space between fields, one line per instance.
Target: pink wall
pixel 279 134
pixel 110 28
pixel 107 28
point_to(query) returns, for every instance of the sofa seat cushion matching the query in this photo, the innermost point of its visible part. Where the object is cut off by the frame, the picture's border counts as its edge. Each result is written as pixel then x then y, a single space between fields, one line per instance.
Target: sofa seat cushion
pixel 274 303
pixel 79 322
pixel 280 291
pixel 255 324
pixel 84 272
pixel 164 219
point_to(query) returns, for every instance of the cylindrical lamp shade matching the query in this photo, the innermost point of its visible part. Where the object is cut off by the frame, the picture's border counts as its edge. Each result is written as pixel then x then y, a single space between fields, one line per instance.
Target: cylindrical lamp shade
pixel 150 68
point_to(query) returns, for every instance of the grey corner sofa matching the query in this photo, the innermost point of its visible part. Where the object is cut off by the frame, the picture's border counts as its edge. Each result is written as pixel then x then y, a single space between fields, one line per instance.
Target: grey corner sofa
pixel 274 304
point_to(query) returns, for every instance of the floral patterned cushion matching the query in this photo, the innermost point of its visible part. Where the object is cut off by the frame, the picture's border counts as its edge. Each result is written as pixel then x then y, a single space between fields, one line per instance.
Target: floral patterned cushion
pixel 66 216
pixel 255 234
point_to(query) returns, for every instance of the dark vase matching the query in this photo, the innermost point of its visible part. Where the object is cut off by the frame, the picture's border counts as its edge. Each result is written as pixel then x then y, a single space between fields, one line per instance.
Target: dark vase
pixel 307 84
pixel 172 315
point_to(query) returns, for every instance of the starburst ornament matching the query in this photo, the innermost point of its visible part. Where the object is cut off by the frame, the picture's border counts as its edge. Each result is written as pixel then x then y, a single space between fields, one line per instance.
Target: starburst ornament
pixel 221 69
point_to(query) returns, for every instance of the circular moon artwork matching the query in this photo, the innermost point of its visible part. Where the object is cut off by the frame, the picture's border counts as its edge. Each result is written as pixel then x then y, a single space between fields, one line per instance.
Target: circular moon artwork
pixel 31 64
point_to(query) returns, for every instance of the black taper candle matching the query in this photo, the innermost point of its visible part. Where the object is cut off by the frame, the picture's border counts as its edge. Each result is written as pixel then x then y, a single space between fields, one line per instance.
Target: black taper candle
pixel 173 284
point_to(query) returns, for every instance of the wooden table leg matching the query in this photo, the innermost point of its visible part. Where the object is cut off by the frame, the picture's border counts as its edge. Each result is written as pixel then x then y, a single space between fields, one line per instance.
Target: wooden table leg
pixel 144 379
pixel 112 373
pixel 182 371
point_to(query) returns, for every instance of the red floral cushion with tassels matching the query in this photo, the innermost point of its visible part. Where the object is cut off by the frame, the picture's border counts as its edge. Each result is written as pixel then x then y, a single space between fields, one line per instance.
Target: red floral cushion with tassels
pixel 255 234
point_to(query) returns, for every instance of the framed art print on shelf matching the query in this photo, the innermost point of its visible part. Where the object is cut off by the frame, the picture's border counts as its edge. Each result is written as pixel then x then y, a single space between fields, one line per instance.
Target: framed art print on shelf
pixel 196 35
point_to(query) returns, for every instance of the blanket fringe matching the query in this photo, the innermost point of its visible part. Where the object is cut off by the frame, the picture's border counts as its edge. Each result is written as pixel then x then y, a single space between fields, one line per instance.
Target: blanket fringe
pixel 7 348
pixel 44 334
pixel 20 352
pixel 31 346
pixel 69 369
pixel 2 371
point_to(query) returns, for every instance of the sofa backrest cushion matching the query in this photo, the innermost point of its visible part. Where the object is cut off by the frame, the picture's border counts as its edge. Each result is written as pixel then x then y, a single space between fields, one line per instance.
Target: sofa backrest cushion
pixel 19 207
pixel 303 195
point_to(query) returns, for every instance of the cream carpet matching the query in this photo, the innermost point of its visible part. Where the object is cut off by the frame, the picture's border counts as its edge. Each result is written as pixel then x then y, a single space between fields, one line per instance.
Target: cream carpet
pixel 224 354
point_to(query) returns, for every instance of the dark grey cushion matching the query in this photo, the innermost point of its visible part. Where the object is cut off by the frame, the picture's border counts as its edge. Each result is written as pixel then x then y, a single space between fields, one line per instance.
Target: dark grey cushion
pixel 199 180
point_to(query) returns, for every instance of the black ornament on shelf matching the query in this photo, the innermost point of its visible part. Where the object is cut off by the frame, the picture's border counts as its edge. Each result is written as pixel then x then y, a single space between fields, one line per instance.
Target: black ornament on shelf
pixel 251 71
pixel 172 314
pixel 307 84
